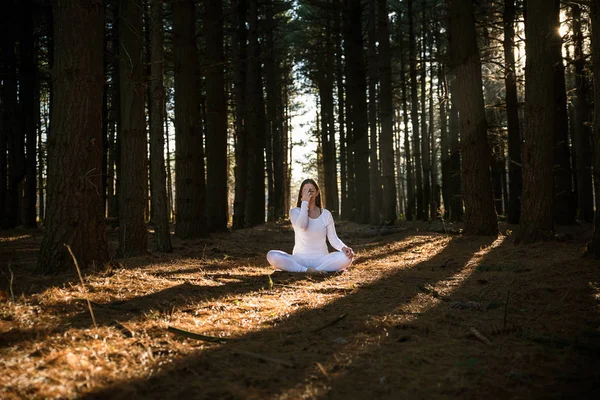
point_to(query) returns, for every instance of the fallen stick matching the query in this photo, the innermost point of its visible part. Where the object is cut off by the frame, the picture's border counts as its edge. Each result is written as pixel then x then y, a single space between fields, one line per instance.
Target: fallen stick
pixel 265 358
pixel 335 321
pixel 124 330
pixel 82 285
pixel 197 336
pixel 479 336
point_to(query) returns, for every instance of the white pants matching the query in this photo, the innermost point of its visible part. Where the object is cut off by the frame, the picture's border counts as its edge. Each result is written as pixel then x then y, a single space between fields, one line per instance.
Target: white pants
pixel 331 262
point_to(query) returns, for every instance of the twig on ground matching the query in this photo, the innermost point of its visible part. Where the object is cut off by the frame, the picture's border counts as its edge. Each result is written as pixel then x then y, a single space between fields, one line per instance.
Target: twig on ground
pixel 82 285
pixel 506 308
pixel 265 358
pixel 479 336
pixel 335 321
pixel 124 330
pixel 197 336
pixel 12 277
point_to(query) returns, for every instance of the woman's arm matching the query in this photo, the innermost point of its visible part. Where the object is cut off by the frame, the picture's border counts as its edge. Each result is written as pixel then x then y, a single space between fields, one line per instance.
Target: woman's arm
pixel 299 216
pixel 332 236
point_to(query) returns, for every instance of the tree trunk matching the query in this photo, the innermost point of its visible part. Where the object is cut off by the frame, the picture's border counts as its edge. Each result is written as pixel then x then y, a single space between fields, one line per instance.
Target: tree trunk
pixel 133 235
pixel 357 84
pixel 216 118
pixel 582 137
pixel 537 212
pixel 410 187
pixel 238 44
pixel 350 72
pixel 74 206
pixel 160 208
pixel 444 142
pixel 480 216
pixel 189 152
pixel 115 150
pixel 329 146
pixel 512 117
pixel 425 141
pixel 29 96
pixel 594 246
pixel 455 193
pixel 13 129
pixel 414 119
pixel 564 211
pixel 374 176
pixel 339 66
pixel 255 201
pixel 386 140
pixel 7 67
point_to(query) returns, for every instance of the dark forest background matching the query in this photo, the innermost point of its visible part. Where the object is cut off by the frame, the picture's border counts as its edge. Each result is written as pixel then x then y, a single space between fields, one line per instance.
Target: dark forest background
pixel 180 113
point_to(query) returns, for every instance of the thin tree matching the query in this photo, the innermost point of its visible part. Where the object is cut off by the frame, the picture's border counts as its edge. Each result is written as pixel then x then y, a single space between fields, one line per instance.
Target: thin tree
pixel 189 151
pixel 414 118
pixel 512 116
pixel 74 204
pixel 594 246
pixel 160 209
pixel 29 98
pixel 537 212
pixel 386 139
pixel 480 215
pixel 373 78
pixel 238 44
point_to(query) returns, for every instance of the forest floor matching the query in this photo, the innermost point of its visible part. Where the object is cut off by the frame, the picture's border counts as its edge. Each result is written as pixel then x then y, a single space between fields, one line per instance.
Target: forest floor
pixel 420 315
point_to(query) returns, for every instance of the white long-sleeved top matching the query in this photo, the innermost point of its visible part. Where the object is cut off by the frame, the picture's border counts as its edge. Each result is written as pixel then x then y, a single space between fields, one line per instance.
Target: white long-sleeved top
pixel 310 233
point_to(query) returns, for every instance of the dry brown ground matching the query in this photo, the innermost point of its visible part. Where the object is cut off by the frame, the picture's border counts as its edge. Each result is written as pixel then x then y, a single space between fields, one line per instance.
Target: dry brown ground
pixel 397 325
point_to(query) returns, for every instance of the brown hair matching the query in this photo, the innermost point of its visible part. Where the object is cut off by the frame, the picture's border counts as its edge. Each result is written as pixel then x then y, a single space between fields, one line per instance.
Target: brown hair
pixel 317 200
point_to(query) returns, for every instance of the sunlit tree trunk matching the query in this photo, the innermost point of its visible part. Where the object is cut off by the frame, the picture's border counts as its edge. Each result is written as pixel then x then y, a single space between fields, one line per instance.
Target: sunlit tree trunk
pixel 373 78
pixel 74 205
pixel 425 140
pixel 480 215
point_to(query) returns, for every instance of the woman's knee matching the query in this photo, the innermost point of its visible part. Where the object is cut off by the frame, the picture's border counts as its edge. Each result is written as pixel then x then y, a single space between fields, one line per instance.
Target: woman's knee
pixel 274 256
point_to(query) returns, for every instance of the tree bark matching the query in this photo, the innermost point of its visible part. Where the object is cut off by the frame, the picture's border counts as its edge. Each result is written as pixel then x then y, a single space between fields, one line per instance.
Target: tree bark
pixel 133 235
pixel 357 88
pixel 425 141
pixel 414 119
pixel 582 135
pixel 537 212
pixel 160 210
pixel 74 204
pixel 410 186
pixel 594 245
pixel 189 151
pixel 373 77
pixel 238 44
pixel 512 117
pixel 480 216
pixel 386 139
pixel 216 118
pixel 564 211
pixel 29 97
pixel 255 201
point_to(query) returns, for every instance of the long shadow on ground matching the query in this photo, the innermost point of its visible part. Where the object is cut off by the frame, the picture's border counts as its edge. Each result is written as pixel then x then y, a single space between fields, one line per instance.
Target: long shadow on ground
pixel 220 373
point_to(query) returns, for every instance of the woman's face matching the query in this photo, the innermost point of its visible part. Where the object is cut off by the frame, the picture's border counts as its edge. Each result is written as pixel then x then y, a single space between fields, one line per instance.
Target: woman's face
pixel 310 189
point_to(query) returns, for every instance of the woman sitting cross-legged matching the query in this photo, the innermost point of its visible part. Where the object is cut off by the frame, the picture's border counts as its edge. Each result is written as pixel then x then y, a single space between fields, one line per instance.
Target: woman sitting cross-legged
pixel 312 226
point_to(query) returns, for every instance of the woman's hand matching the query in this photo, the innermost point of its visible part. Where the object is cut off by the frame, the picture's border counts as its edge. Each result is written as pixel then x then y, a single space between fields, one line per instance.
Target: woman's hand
pixel 348 252
pixel 307 195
